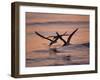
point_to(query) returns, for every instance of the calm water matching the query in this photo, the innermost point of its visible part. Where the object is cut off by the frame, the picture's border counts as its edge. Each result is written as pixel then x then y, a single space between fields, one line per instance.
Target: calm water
pixel 38 52
pixel 68 55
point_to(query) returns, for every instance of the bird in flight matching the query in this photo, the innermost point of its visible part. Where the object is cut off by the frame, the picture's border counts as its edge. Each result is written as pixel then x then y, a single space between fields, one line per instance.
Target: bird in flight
pixel 58 36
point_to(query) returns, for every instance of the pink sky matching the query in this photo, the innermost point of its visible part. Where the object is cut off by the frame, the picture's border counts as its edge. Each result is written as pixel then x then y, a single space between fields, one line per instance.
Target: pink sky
pixel 46 17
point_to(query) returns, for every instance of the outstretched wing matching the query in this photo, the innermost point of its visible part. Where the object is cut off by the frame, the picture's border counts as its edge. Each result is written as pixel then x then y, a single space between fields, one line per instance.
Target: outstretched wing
pixel 64 34
pixel 70 36
pixel 42 36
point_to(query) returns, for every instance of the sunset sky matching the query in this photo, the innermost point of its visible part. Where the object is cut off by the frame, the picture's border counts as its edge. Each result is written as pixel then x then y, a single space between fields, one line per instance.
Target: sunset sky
pixel 46 17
